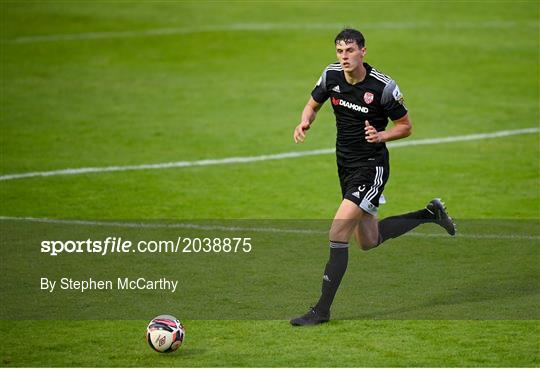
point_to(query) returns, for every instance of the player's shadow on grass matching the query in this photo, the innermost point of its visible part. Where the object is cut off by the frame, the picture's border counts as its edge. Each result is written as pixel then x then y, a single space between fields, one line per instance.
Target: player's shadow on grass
pixel 187 352
pixel 439 306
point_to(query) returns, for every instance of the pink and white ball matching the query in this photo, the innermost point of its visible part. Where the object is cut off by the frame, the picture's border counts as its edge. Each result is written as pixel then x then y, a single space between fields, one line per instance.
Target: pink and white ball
pixel 165 333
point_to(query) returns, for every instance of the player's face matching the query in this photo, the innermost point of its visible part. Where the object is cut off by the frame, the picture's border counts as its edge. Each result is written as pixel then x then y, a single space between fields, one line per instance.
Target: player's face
pixel 350 56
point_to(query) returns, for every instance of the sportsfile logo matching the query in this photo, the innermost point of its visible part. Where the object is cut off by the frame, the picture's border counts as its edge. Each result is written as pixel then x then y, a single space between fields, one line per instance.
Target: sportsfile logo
pixel 349 105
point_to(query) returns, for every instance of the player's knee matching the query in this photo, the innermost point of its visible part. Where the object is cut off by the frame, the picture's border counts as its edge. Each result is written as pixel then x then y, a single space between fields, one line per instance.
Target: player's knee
pixel 341 231
pixel 367 245
pixel 338 235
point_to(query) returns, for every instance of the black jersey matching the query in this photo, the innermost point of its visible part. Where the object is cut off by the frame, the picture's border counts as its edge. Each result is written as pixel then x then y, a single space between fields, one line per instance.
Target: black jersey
pixel 374 99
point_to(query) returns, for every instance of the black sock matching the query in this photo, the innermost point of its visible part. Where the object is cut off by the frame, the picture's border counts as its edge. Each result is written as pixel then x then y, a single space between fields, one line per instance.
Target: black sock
pixel 333 273
pixel 395 226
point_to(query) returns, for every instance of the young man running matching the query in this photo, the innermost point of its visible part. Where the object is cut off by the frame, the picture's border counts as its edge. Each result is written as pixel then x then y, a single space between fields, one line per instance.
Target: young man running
pixel 363 99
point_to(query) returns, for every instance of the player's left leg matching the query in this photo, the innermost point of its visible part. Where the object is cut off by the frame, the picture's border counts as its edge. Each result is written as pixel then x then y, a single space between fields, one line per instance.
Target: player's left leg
pixel 370 233
pixel 366 231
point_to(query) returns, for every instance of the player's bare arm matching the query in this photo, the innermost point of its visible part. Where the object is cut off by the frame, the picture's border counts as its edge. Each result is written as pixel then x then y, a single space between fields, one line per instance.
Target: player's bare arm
pixel 402 128
pixel 308 116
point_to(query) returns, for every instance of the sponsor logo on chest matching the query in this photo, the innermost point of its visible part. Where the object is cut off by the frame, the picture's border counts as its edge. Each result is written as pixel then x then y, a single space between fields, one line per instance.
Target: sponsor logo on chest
pixel 350 105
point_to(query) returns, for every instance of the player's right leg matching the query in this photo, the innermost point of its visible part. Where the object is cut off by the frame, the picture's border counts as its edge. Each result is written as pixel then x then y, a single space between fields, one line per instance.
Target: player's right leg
pixel 345 220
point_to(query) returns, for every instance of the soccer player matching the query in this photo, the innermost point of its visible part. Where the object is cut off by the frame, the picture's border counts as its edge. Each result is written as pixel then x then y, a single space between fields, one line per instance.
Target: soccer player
pixel 363 99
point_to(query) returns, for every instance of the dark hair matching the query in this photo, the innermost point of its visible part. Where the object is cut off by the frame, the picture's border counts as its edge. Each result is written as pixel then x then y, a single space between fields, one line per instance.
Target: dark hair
pixel 349 35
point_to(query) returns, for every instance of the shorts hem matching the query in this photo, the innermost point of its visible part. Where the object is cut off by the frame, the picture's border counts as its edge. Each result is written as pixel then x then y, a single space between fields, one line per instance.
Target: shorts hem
pixel 368 207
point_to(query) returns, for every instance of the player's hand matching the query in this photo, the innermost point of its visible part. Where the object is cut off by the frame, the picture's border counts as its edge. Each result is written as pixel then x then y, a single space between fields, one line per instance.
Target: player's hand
pixel 372 136
pixel 300 132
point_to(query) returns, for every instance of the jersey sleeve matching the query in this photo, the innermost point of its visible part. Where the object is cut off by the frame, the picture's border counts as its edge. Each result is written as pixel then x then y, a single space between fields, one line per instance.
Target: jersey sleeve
pixel 392 101
pixel 320 92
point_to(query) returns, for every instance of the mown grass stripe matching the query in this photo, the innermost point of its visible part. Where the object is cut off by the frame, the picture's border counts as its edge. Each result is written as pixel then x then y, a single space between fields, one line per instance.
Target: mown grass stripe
pixel 140 225
pixel 251 159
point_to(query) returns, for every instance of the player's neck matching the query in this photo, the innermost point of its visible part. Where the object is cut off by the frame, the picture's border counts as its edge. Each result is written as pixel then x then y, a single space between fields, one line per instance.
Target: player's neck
pixel 357 75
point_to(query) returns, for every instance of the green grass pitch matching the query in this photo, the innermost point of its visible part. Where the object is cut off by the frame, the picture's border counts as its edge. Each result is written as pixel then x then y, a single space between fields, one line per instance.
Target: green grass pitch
pixel 96 84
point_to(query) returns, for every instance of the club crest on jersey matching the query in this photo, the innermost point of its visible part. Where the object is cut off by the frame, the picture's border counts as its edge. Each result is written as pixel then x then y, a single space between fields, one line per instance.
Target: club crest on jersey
pixel 368 97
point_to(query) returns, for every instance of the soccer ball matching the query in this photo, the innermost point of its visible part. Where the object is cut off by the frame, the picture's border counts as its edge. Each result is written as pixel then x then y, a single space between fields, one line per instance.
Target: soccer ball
pixel 165 333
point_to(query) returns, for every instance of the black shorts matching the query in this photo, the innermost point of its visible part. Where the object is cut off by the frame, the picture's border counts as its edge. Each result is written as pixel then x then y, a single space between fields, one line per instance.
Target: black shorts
pixel 364 185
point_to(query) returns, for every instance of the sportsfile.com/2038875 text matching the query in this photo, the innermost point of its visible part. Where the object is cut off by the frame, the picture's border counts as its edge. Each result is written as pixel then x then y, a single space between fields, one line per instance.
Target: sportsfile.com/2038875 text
pixel 117 245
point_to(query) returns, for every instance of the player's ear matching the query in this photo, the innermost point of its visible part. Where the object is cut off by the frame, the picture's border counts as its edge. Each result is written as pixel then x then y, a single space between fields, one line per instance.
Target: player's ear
pixel 363 51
